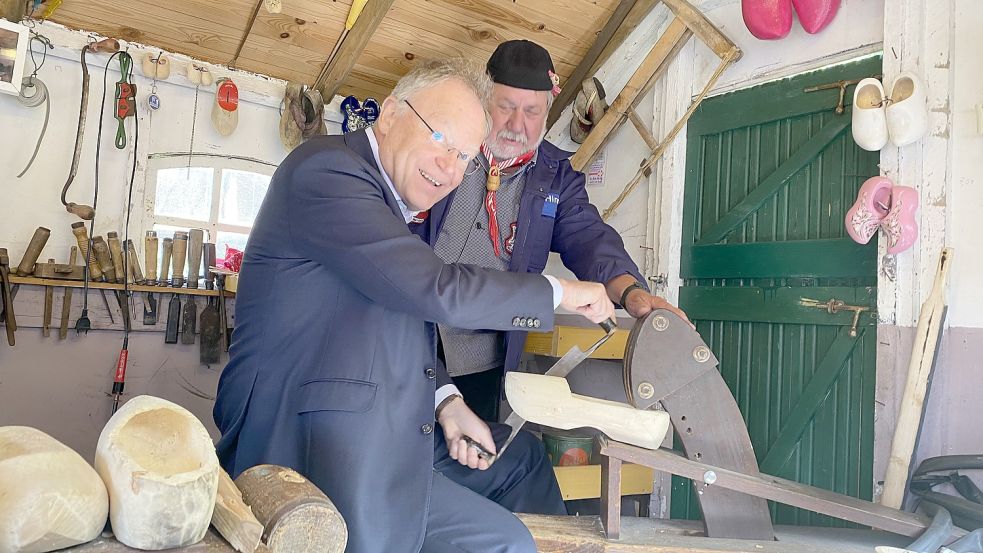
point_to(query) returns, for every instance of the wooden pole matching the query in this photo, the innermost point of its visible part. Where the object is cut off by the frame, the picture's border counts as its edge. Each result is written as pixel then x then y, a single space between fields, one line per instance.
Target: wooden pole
pixel 919 368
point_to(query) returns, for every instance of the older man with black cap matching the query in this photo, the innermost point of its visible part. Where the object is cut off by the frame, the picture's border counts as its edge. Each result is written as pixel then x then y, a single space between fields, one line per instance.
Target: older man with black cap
pixel 521 199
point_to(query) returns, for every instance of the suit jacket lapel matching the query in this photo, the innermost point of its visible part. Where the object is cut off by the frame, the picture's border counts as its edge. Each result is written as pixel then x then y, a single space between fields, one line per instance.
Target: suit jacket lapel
pixel 359 143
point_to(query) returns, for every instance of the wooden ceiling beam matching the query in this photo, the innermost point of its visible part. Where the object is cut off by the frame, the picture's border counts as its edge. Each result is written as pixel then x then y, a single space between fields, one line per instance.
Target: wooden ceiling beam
pixel 12 10
pixel 341 66
pixel 572 85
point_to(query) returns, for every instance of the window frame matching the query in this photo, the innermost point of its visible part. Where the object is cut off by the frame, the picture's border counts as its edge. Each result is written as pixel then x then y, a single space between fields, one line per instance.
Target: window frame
pixel 218 164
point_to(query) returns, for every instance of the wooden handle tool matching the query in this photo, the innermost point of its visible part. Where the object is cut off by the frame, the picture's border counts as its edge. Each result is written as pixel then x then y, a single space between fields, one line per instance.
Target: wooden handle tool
pixel 104 258
pixel 209 253
pixel 165 262
pixel 195 238
pixel 49 300
pixel 131 251
pixel 66 305
pixel 40 238
pixel 82 236
pixel 180 249
pixel 150 255
pixel 116 249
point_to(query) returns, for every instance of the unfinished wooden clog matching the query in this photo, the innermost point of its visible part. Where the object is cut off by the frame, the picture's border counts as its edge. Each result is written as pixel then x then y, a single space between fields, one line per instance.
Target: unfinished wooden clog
pixel 50 498
pixel 161 471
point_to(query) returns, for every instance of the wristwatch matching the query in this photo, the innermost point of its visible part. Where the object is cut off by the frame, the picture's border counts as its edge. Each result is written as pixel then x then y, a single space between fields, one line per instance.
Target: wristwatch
pixel 624 295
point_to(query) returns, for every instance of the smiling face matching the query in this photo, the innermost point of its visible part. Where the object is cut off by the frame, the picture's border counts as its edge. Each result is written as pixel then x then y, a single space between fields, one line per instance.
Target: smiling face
pixel 424 171
pixel 518 120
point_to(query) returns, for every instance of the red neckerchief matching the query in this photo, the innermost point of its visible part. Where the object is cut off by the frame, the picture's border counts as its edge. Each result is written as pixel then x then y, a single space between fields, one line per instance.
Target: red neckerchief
pixel 491 185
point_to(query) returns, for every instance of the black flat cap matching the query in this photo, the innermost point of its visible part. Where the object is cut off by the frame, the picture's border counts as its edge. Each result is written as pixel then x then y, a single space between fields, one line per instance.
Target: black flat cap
pixel 522 64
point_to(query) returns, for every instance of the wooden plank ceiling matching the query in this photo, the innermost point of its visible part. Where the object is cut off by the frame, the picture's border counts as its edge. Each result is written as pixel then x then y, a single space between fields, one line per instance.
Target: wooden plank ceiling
pixel 294 44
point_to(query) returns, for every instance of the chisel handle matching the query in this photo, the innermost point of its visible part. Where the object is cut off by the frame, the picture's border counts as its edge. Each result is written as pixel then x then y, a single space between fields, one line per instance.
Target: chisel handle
pixel 103 257
pixel 116 249
pixel 82 236
pixel 195 239
pixel 180 250
pixel 150 255
pixel 209 250
pixel 40 238
pixel 165 261
pixel 49 299
pixel 131 251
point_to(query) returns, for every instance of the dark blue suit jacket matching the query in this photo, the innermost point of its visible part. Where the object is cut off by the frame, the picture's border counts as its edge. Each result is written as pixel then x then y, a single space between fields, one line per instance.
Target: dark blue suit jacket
pixel 331 368
pixel 587 245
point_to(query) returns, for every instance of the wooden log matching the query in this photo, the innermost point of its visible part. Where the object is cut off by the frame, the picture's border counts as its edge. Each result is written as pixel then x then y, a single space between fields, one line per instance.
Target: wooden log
pixel 233 518
pixel 910 414
pixel 296 515
pixel 547 400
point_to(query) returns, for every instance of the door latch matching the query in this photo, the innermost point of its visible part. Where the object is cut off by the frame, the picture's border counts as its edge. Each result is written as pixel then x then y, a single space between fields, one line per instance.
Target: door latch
pixel 834 305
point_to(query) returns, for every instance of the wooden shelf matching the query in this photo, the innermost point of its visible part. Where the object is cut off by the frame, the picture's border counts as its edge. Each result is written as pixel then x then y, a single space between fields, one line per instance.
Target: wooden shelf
pixel 33 281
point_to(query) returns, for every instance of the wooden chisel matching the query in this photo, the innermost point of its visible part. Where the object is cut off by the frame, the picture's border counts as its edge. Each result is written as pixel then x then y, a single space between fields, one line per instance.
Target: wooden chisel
pixel 49 300
pixel 165 262
pixel 178 253
pixel 195 238
pixel 208 322
pixel 173 320
pixel 150 255
pixel 95 273
pixel 116 250
pixel 40 238
pixel 66 305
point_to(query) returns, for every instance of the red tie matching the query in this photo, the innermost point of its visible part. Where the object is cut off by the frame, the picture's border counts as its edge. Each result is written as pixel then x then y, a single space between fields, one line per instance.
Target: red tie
pixel 491 185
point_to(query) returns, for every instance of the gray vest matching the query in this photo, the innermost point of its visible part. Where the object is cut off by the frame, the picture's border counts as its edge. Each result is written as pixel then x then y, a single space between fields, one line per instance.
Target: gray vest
pixel 464 238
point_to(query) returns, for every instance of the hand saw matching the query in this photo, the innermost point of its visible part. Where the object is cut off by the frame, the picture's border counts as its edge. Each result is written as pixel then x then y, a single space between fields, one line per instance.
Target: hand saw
pixel 561 368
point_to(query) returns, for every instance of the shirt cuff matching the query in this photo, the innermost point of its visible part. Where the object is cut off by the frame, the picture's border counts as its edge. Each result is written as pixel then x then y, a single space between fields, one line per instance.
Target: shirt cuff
pixel 443 393
pixel 557 290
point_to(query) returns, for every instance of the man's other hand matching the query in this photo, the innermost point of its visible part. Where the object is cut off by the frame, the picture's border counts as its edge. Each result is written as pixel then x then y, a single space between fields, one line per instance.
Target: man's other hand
pixel 458 420
pixel 590 299
pixel 641 303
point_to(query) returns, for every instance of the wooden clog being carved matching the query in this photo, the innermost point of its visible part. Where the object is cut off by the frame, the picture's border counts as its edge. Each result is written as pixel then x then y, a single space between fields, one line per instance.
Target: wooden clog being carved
pixel 547 400
pixel 50 497
pixel 161 471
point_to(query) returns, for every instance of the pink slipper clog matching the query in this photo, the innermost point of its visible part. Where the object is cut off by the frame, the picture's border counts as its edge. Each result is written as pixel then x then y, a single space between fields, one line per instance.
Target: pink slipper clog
pixel 899 225
pixel 868 212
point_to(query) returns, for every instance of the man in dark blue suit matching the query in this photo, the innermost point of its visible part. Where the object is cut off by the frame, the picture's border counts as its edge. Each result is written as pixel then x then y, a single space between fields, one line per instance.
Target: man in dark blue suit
pixel 539 205
pixel 333 369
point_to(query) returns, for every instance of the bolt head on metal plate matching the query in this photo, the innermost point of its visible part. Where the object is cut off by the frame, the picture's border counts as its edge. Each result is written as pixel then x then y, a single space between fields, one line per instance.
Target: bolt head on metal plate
pixel 701 354
pixel 646 390
pixel 660 322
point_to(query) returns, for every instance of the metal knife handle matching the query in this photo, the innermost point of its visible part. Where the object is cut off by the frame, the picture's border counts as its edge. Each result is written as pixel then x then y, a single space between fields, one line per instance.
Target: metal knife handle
pixel 482 452
pixel 609 325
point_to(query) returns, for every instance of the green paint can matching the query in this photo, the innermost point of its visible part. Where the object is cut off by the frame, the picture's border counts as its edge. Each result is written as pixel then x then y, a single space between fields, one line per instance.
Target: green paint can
pixel 568 449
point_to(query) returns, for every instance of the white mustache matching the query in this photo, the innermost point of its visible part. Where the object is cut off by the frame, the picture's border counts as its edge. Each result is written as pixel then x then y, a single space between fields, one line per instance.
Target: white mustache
pixel 506 134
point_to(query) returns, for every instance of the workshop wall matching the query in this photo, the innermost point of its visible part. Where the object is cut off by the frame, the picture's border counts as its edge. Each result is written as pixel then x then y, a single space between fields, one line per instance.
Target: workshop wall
pixel 61 386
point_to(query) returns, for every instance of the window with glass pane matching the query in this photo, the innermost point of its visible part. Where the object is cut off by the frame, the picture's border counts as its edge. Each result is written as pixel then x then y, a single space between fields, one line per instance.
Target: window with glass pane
pixel 222 198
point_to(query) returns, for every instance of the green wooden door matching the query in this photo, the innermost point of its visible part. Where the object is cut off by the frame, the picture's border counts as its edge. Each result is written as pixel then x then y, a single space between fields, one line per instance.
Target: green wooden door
pixel 770 174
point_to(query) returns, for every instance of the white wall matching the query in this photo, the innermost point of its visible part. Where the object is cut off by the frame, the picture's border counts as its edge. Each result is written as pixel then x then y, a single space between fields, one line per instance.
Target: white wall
pixel 33 200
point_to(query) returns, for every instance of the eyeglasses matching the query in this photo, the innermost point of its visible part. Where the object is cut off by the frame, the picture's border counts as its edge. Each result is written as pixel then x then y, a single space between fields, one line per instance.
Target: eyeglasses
pixel 439 138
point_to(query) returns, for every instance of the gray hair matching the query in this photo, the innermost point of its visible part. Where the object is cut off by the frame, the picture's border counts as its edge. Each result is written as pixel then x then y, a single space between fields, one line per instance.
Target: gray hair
pixel 430 73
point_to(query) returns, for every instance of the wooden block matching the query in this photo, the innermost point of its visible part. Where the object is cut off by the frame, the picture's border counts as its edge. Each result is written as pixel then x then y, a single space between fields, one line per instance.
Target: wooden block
pixel 233 518
pixel 296 515
pixel 584 482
